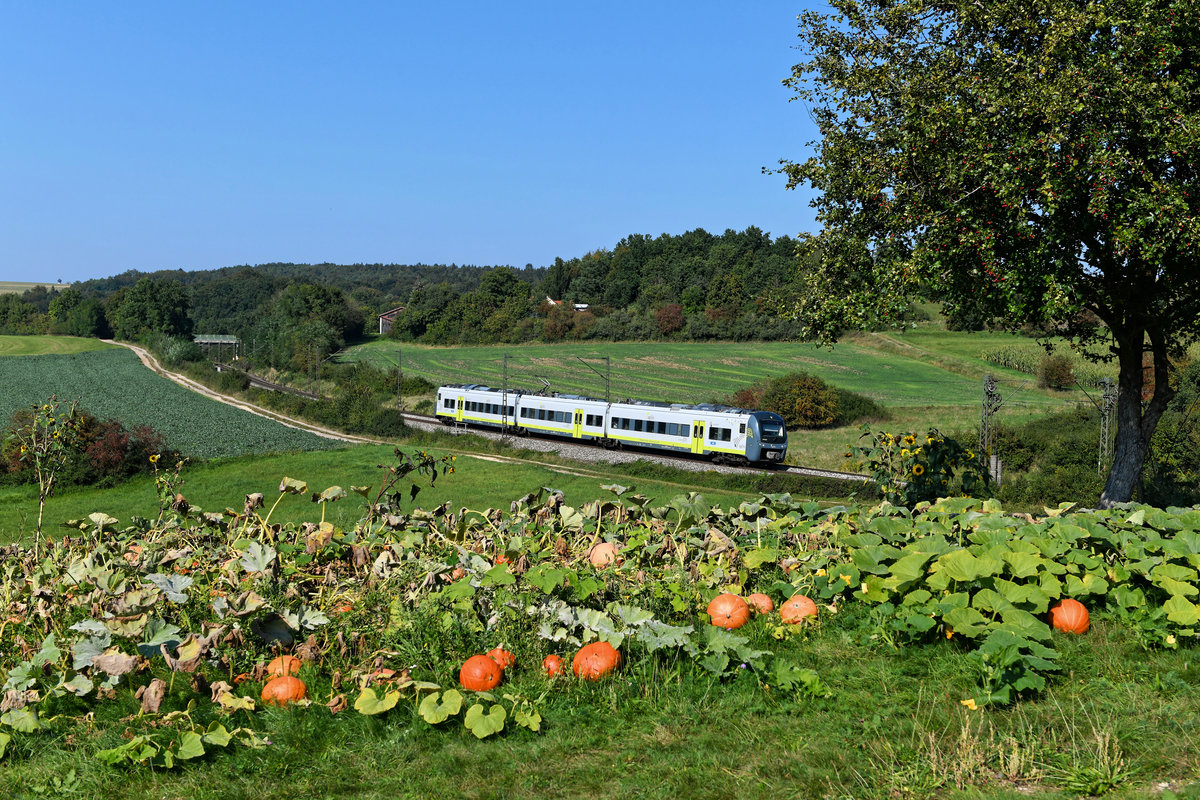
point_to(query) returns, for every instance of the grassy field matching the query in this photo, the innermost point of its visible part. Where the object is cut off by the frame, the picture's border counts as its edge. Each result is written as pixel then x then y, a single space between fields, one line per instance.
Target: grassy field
pixel 20 287
pixel 49 345
pixel 478 483
pixel 112 383
pixel 924 377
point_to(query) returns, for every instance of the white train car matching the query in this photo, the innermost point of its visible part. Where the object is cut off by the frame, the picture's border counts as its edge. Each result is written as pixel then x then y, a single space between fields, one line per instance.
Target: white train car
pixel 563 415
pixel 718 432
pixel 477 405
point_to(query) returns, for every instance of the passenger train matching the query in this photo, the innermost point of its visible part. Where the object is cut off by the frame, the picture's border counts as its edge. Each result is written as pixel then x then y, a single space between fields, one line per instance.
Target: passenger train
pixel 720 432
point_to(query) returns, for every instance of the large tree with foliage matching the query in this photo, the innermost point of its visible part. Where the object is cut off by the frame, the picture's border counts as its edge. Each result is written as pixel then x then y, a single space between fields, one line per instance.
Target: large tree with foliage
pixel 1033 161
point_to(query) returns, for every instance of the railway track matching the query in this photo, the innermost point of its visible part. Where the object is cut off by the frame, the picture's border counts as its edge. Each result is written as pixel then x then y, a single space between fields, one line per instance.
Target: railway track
pixel 568 447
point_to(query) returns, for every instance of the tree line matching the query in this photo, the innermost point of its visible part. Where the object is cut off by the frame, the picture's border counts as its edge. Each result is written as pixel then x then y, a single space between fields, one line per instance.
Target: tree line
pixel 696 286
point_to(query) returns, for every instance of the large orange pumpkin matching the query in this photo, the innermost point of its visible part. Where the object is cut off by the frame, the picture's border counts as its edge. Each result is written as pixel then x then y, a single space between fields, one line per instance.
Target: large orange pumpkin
pixel 1069 616
pixel 502 657
pixel 728 611
pixel 797 608
pixel 761 603
pixel 603 554
pixel 480 674
pixel 595 660
pixel 553 665
pixel 283 665
pixel 282 690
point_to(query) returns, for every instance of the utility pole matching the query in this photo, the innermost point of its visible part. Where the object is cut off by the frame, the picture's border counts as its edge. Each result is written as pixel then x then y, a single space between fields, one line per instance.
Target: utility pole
pixel 1108 403
pixel 987 428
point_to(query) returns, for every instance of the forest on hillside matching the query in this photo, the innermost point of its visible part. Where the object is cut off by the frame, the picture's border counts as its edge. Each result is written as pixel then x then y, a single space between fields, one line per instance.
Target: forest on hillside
pixel 694 286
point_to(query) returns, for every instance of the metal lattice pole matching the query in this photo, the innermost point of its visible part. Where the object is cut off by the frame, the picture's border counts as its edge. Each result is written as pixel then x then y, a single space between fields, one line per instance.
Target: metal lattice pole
pixel 1108 404
pixel 987 424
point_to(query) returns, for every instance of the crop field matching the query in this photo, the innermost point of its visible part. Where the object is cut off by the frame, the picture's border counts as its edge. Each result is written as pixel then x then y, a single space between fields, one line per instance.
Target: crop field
pixel 48 345
pixel 114 384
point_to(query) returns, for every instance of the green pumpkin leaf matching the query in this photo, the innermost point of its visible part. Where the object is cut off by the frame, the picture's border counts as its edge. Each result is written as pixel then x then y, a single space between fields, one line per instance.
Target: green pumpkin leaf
pixel 437 708
pixel 370 703
pixel 1181 611
pixel 23 720
pixel 4 740
pixel 755 558
pixel 190 746
pixel 484 723
pixel 217 735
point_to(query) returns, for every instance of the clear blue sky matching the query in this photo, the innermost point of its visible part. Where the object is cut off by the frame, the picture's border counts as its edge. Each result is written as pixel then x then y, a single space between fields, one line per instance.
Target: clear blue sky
pixel 140 135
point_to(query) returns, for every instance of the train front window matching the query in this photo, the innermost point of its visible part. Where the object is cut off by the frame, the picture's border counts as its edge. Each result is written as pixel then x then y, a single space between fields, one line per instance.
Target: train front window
pixel 773 432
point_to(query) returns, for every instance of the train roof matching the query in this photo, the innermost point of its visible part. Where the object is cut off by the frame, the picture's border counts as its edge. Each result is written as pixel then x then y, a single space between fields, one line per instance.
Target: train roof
pixel 718 408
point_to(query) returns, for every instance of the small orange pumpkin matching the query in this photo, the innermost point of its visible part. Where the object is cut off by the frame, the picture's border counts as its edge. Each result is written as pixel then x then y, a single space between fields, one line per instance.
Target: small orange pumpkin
pixel 284 665
pixel 480 674
pixel 602 555
pixel 282 690
pixel 1069 616
pixel 728 611
pixel 595 660
pixel 553 665
pixel 797 608
pixel 502 657
pixel 502 559
pixel 761 603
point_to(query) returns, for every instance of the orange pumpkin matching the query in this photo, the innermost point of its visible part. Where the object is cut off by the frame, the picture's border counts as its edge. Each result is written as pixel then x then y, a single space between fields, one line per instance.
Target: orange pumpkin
pixel 282 690
pixel 502 657
pixel 595 660
pixel 602 555
pixel 480 674
pixel 502 559
pixel 553 665
pixel 761 603
pixel 728 611
pixel 1069 616
pixel 284 665
pixel 797 608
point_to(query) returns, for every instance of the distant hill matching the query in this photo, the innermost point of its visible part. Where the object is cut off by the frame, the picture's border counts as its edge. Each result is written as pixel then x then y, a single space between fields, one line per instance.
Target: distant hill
pixel 20 287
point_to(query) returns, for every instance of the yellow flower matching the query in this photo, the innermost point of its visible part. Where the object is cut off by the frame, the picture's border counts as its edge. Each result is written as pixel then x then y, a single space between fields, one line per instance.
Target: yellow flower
pixel 905 453
pixel 969 703
pixel 821 573
pixel 918 470
pixel 154 458
pixel 846 578
pixel 910 440
pixel 1171 639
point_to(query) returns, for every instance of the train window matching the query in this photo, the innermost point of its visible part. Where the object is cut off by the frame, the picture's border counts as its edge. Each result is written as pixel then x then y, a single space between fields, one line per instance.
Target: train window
pixel 742 428
pixel 672 429
pixel 662 428
pixel 637 425
pixel 541 413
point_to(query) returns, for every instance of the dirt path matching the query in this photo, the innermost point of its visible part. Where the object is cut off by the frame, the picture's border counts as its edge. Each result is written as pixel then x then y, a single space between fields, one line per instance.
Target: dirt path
pixel 151 362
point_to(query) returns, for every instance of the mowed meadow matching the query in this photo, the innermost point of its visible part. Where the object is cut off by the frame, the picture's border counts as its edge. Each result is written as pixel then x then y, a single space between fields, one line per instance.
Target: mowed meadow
pixel 925 377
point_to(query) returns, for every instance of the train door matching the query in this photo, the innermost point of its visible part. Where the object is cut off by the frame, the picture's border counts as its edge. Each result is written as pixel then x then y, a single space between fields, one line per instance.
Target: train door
pixel 578 431
pixel 459 409
pixel 698 436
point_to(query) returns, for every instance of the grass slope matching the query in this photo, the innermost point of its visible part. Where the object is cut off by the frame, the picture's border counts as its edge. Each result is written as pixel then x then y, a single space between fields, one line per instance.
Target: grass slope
pixel 112 383
pixel 478 483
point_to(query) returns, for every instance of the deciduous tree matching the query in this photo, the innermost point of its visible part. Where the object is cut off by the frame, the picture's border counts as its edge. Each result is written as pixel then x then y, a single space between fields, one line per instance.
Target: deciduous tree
pixel 1034 161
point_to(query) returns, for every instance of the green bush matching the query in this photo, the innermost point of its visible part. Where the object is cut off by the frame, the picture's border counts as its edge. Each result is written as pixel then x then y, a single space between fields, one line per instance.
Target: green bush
pixel 803 400
pixel 1051 460
pixel 1055 372
pixel 853 408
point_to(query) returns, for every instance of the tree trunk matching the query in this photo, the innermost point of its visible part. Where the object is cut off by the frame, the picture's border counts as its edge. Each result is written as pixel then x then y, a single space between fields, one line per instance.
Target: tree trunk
pixel 1135 425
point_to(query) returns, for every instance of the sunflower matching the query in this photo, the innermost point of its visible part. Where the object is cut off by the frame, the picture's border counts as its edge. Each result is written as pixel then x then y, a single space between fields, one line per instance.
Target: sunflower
pixel 918 470
pixel 910 440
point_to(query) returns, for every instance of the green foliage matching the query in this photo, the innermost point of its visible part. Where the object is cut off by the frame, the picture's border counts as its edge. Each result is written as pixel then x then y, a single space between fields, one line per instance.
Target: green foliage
pixel 1030 358
pixel 1172 476
pixel 1055 372
pixel 977 155
pixel 911 469
pixel 151 307
pixel 806 401
pixel 1052 460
